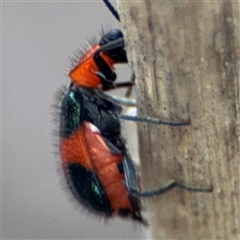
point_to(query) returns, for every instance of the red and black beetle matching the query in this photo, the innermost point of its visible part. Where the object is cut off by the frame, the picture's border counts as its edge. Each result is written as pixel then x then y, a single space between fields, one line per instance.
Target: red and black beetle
pixel 95 160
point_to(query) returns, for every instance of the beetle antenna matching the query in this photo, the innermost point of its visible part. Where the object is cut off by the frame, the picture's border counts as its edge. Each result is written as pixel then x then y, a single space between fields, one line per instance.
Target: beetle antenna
pixel 112 9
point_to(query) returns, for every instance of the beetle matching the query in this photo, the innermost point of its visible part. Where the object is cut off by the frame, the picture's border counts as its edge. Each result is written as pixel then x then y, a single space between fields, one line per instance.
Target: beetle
pixel 95 160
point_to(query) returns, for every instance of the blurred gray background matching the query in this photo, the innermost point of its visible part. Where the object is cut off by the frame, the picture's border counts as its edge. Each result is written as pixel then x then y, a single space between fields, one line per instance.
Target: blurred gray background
pixel 37 40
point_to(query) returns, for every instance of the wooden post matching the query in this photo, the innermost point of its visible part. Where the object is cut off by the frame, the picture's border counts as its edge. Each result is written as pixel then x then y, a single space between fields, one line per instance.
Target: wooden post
pixel 185 55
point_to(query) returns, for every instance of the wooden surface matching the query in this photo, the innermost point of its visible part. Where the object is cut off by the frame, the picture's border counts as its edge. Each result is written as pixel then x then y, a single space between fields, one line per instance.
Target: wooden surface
pixel 186 59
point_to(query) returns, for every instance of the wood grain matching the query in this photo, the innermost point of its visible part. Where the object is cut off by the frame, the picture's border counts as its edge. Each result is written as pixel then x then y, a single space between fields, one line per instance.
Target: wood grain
pixel 185 55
